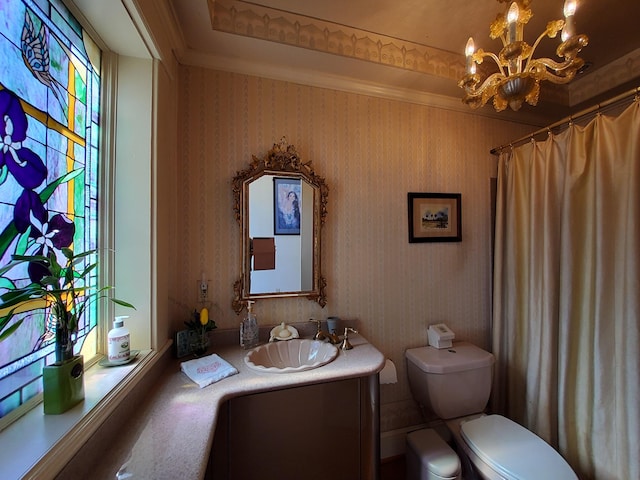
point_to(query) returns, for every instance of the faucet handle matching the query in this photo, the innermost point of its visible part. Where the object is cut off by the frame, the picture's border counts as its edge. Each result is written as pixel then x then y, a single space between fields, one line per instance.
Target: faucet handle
pixel 346 345
pixel 319 335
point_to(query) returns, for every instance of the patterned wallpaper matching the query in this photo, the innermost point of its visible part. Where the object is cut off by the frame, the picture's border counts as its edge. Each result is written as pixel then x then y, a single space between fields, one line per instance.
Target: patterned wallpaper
pixel 371 151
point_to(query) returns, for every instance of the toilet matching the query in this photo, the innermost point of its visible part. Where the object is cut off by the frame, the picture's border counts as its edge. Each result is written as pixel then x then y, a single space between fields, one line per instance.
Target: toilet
pixel 455 383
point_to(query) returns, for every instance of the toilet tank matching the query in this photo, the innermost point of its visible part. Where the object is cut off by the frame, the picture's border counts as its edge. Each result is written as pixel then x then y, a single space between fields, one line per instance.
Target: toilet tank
pixel 451 382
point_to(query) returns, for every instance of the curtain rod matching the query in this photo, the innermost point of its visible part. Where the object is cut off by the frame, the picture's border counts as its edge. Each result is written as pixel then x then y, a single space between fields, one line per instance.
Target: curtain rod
pixel 569 119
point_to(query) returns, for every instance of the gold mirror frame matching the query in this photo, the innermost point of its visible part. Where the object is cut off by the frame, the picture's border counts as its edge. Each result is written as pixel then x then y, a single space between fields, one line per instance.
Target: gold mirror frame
pixel 282 159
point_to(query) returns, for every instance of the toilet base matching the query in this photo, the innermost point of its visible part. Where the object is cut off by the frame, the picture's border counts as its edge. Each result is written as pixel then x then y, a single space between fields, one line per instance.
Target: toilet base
pixel 470 469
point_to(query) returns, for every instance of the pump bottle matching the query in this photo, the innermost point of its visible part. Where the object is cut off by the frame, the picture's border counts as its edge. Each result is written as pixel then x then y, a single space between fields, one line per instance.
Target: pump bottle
pixel 119 342
pixel 249 331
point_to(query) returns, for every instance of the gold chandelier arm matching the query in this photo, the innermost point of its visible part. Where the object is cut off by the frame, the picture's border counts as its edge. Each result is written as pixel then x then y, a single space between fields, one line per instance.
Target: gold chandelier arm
pixel 547 69
pixel 490 82
pixel 553 27
pixel 478 57
pixel 478 96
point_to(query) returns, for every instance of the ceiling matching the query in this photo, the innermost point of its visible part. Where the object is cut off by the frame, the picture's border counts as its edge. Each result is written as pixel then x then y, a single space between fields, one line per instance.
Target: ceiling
pixel 410 50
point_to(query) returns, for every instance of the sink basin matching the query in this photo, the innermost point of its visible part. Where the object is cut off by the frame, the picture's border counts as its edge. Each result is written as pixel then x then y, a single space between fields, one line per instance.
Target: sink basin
pixel 290 356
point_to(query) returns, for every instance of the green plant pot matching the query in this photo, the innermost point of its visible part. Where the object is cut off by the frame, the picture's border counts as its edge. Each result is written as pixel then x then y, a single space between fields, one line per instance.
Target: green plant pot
pixel 63 385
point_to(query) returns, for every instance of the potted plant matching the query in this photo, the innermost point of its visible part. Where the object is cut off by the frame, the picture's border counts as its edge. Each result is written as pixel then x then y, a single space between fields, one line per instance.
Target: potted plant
pixel 63 290
pixel 199 327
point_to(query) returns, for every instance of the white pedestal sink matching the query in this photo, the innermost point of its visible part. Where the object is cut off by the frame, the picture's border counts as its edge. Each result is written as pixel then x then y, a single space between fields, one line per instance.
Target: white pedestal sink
pixel 289 356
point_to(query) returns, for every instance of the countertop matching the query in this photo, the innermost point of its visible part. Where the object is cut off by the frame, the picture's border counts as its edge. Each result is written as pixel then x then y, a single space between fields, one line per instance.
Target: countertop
pixel 170 434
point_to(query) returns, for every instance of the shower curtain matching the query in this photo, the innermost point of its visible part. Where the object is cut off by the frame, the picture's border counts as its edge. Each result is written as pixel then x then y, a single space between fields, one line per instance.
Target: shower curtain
pixel 566 315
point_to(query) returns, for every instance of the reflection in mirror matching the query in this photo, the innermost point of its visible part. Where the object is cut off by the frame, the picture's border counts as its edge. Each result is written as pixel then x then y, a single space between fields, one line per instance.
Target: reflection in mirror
pixel 280 205
pixel 281 243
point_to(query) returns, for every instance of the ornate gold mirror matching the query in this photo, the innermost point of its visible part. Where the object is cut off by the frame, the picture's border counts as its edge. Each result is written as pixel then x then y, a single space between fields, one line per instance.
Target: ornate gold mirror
pixel 280 205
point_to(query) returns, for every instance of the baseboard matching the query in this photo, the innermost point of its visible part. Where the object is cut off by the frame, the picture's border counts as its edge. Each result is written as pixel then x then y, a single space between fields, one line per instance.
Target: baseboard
pixel 393 442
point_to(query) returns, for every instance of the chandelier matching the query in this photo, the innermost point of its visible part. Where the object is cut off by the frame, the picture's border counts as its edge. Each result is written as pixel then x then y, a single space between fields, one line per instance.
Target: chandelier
pixel 519 74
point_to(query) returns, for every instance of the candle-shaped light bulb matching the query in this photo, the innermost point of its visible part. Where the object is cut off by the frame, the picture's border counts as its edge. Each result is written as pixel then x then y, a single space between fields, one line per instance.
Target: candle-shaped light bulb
pixel 470 48
pixel 468 51
pixel 569 10
pixel 512 22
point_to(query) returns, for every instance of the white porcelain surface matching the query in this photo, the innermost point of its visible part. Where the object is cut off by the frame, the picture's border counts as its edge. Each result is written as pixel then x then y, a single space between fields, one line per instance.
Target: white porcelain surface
pixel 283 332
pixel 452 382
pixel 512 451
pixel 291 356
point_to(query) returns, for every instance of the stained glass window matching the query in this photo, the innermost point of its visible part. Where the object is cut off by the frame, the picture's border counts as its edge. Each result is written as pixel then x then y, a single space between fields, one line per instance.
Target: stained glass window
pixel 49 131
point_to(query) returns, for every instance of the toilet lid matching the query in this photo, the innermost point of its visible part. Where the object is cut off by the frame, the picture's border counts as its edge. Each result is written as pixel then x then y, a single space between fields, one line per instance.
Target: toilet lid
pixel 513 451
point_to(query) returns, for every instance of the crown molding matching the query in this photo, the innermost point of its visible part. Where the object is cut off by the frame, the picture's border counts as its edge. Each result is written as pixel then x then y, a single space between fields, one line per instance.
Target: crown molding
pixel 608 77
pixel 248 38
pixel 264 23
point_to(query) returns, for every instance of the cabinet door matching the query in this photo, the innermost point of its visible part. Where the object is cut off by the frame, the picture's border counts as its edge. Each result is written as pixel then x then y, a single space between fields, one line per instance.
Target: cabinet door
pixel 310 432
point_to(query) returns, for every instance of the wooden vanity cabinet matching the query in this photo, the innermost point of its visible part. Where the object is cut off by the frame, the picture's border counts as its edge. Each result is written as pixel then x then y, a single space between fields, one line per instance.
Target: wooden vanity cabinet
pixel 312 432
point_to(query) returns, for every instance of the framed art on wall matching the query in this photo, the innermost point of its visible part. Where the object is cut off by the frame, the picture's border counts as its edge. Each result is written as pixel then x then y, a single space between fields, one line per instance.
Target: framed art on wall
pixel 434 217
pixel 287 198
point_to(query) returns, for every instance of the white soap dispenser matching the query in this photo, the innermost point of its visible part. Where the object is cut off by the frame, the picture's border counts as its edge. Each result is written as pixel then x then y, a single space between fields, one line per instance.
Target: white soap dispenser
pixel 119 342
pixel 249 331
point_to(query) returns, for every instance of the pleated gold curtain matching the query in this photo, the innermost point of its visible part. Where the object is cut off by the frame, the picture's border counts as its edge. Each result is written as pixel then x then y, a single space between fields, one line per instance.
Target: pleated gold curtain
pixel 566 309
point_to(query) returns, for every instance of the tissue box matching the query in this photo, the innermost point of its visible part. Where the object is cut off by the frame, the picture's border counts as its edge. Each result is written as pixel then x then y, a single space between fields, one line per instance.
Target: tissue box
pixel 440 336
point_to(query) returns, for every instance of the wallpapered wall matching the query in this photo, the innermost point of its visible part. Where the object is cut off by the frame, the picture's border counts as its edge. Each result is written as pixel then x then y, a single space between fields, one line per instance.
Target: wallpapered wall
pixel 371 151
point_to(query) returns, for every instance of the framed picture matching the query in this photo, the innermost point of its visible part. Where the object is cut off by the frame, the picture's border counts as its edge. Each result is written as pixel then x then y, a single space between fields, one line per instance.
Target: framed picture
pixel 287 199
pixel 434 217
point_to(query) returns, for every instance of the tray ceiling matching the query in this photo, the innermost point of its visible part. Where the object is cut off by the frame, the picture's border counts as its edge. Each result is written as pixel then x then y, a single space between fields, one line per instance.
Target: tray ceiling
pixel 409 50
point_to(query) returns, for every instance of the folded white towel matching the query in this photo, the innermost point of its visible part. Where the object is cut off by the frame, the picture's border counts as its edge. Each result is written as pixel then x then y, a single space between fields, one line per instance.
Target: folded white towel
pixel 207 370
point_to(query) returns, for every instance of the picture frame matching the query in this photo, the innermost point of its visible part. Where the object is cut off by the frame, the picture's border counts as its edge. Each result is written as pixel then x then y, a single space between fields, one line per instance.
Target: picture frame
pixel 435 217
pixel 287 206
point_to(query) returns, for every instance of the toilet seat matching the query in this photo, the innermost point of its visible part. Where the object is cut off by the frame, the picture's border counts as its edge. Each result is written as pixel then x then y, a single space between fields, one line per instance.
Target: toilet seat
pixel 513 451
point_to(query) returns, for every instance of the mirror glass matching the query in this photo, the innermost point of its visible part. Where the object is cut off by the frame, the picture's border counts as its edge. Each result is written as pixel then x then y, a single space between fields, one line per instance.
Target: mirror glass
pixel 280 206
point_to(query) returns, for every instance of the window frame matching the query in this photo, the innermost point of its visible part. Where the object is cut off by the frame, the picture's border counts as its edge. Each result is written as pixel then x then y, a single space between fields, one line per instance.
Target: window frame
pixel 129 86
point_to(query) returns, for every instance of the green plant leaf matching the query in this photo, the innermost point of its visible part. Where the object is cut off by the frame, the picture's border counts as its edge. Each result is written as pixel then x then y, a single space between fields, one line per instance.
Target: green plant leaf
pixel 31 258
pixel 84 254
pixel 5 333
pixel 54 266
pixel 12 298
pixel 18 260
pixel 64 288
pixel 122 303
pixel 49 280
pixel 87 270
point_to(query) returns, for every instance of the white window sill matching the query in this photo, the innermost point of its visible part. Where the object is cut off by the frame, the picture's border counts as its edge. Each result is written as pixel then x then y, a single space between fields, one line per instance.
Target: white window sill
pixel 39 445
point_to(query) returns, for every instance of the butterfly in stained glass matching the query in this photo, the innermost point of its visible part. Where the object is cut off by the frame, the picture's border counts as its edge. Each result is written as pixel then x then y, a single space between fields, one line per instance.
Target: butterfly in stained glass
pixel 35 54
